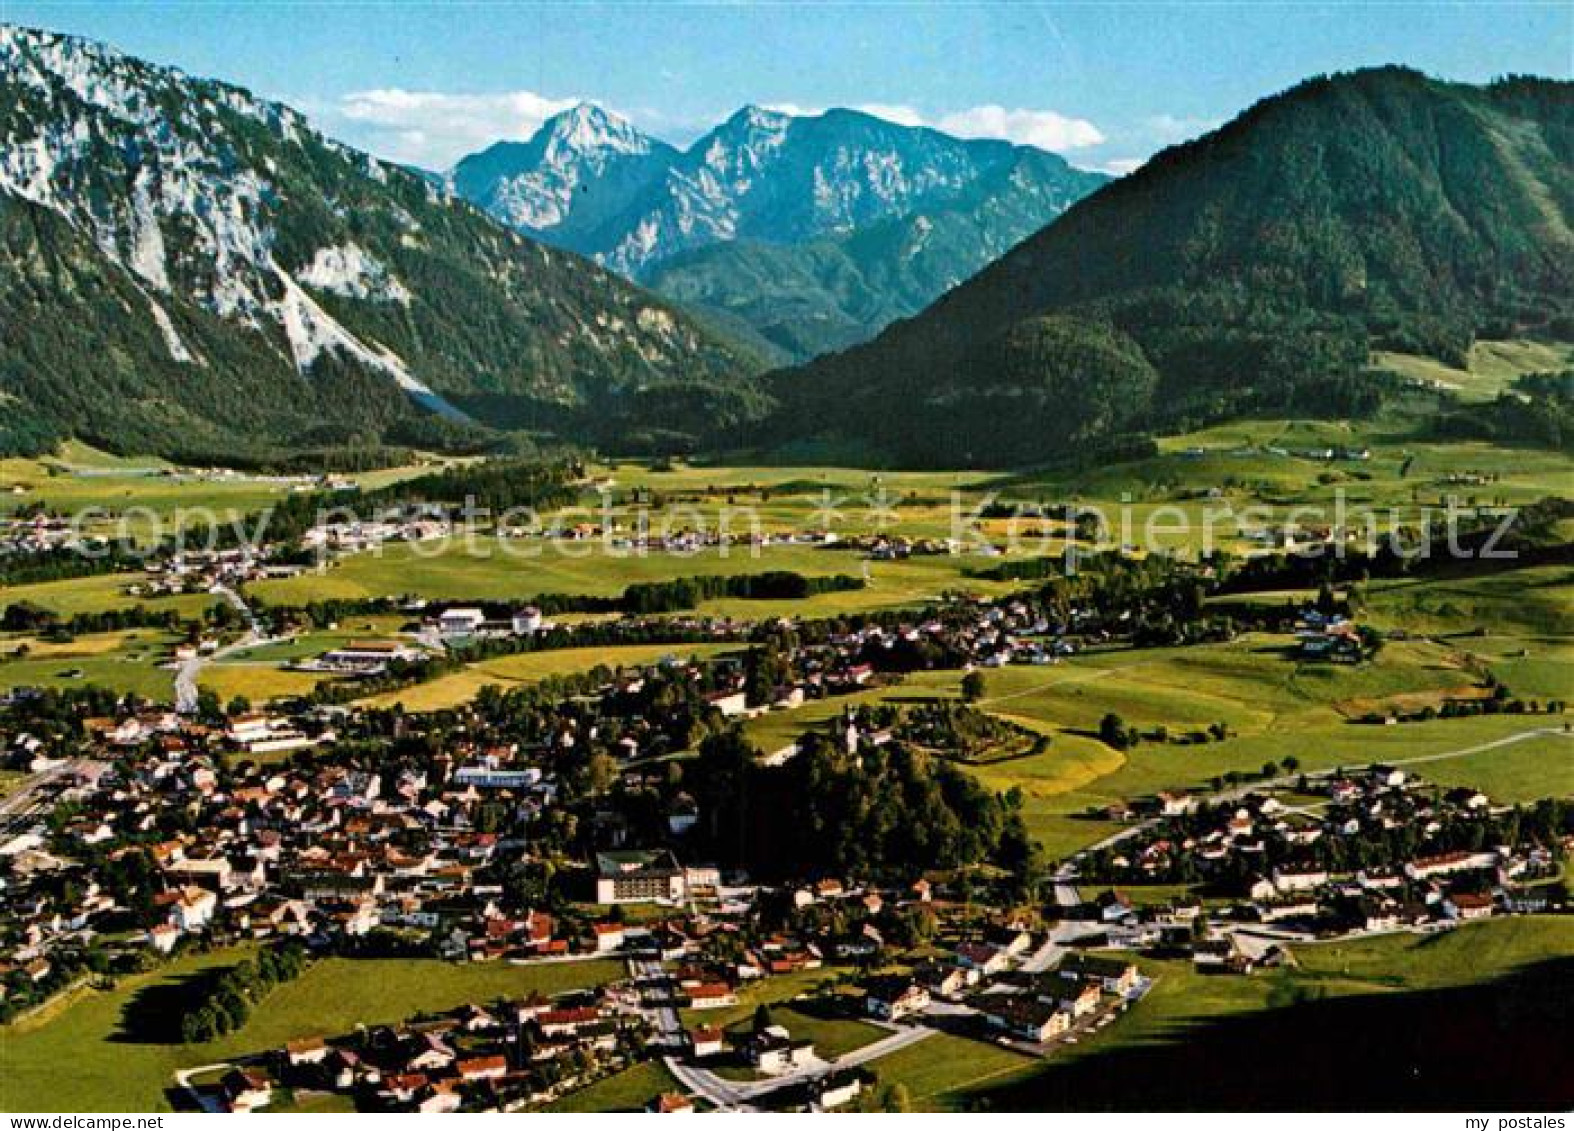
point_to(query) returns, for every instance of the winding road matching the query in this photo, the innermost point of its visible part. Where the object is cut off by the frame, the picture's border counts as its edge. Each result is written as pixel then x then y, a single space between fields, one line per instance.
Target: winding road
pixel 737 1095
pixel 188 671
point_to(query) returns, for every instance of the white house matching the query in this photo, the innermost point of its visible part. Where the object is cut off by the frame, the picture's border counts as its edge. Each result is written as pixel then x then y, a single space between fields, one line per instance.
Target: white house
pixel 460 622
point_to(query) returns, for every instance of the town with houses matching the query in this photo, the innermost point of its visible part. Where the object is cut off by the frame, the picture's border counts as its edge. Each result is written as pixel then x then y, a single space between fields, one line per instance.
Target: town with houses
pixel 551 832
pixel 584 830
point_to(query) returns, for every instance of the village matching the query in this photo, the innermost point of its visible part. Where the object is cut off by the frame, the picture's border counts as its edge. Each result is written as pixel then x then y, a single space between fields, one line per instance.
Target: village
pixel 588 827
pixel 149 833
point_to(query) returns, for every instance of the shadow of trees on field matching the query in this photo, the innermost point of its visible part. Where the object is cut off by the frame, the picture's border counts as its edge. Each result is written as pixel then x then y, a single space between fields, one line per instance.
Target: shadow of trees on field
pixel 1500 1045
pixel 153 1014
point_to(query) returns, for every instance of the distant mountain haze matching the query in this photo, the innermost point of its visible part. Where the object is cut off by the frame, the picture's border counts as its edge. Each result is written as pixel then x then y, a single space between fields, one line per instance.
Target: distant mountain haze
pixel 801 234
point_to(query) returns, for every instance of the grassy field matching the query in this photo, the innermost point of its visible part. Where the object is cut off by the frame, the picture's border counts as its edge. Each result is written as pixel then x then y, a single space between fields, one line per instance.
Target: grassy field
pixel 629 1090
pixel 489 569
pixel 78 1057
pixel 123 661
pixel 1275 708
pixel 138 496
pixel 532 667
pixel 1490 369
pixel 97 594
pixel 942 1072
pixel 1524 772
pixel 1537 600
pixel 257 682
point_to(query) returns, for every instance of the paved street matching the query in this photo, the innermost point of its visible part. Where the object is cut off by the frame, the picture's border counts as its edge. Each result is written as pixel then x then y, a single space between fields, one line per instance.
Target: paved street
pixel 734 1095
pixel 188 671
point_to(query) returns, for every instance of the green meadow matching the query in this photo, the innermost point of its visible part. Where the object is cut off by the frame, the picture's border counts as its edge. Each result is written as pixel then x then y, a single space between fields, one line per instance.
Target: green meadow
pixel 1274 708
pixel 79 1056
pixel 948 1073
pixel 123 661
pixel 507 672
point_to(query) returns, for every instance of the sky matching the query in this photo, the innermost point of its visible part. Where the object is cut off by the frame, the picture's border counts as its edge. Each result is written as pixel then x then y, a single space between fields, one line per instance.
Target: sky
pixel 1105 83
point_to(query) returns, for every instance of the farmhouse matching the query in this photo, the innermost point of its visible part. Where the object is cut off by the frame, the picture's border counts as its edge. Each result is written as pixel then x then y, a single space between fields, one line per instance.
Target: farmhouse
pixel 1026 1018
pixel 891 999
pixel 773 1051
pixel 1116 975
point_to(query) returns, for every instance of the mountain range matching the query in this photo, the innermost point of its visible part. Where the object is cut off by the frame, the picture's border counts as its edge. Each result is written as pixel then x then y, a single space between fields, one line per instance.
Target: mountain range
pixel 1250 271
pixel 796 233
pixel 189 270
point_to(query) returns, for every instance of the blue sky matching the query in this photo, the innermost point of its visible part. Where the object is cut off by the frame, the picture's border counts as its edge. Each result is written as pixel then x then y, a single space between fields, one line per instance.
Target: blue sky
pixel 1105 83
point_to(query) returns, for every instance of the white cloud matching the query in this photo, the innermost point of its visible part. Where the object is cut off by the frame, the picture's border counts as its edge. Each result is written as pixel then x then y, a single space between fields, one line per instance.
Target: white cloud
pixel 1120 166
pixel 792 109
pixel 1042 128
pixel 1167 129
pixel 893 112
pixel 433 129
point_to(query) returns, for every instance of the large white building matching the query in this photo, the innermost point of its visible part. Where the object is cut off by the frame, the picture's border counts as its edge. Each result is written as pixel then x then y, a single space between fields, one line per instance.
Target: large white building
pixel 639 877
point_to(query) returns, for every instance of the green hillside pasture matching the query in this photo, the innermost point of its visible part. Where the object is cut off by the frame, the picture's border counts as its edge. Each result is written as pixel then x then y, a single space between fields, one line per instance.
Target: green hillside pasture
pixel 1537 600
pixel 139 495
pixel 1249 684
pixel 121 661
pixel 1254 462
pixel 99 593
pixel 78 1058
pixel 490 571
pixel 532 667
pixel 1524 772
pixel 1490 369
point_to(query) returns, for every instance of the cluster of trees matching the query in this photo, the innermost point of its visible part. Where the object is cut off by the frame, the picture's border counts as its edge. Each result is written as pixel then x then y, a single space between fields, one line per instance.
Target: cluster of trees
pixel 26 617
pixel 887 813
pixel 688 592
pixel 1539 410
pixel 62 562
pixel 1121 735
pixel 494 485
pixel 961 731
pixel 223 1002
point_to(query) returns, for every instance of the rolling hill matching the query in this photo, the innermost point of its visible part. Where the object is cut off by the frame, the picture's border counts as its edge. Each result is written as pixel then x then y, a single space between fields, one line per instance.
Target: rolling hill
pixel 1253 270
pixel 191 271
